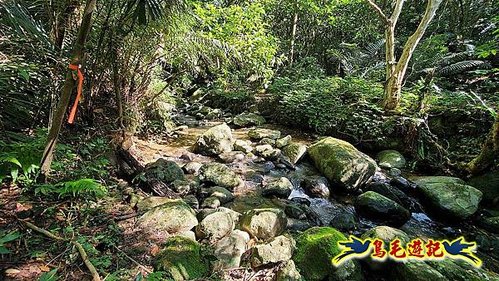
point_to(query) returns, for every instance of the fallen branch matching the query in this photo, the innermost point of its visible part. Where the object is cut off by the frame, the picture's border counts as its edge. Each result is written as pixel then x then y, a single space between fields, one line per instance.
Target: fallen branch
pixel 79 247
pixel 134 261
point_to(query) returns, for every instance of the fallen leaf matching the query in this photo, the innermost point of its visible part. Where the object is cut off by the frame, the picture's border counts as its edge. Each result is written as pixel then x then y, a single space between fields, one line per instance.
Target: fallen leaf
pixel 154 250
pixel 23 207
pixel 44 268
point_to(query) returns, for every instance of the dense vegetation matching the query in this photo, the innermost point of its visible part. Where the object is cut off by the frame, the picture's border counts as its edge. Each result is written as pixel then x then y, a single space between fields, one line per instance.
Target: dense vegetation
pixel 418 77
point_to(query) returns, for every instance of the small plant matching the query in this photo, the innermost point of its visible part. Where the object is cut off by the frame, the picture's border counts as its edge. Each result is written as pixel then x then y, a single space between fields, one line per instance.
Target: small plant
pixel 81 187
pixel 4 239
pixel 49 276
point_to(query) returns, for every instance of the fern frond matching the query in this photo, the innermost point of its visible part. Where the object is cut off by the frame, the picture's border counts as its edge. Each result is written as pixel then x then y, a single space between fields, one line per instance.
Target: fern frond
pixel 459 67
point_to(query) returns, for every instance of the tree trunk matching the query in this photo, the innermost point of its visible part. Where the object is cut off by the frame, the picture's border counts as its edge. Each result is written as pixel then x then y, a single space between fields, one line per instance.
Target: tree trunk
pixel 490 151
pixel 76 59
pixel 293 38
pixel 394 84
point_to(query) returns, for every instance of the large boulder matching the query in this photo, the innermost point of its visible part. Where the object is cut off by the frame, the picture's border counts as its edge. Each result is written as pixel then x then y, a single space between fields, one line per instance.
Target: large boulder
pixel 391 192
pixel 258 134
pixel 163 170
pixel 450 195
pixel 217 225
pixel 315 249
pixel 378 207
pixel 342 163
pixel 264 224
pixel 219 174
pixel 215 141
pixel 460 270
pixel 248 119
pixel 279 249
pixel 391 159
pixel 294 152
pixel 222 194
pixel 279 187
pixel 417 271
pixel 488 184
pixel 172 217
pixel 229 249
pixel 181 259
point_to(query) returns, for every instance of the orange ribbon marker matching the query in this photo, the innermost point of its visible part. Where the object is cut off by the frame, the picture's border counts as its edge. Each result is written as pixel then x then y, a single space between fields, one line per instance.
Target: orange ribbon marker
pixel 78 95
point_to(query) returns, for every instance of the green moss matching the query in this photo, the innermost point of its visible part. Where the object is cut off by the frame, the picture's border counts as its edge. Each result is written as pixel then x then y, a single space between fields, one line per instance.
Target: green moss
pixel 181 259
pixel 316 247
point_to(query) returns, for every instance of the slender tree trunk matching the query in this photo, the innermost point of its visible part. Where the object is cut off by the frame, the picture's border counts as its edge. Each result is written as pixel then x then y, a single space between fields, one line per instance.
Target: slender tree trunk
pixel 293 38
pixel 489 152
pixel 76 59
pixel 394 84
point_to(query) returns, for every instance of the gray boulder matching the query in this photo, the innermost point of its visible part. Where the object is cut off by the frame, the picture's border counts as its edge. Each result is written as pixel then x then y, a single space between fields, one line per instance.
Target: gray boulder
pixel 391 159
pixel 219 174
pixel 378 207
pixel 215 141
pixel 264 224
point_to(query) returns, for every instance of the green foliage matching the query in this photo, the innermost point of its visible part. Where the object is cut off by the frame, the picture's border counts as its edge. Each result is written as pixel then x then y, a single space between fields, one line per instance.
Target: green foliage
pixel 49 276
pixel 87 188
pixel 330 105
pixel 235 97
pixel 6 238
pixel 243 28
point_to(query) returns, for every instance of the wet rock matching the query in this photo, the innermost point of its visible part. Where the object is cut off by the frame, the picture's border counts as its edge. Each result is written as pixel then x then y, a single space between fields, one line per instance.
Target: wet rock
pixel 345 221
pixel 243 146
pixel 415 270
pixel 316 187
pixel 295 211
pixel 316 247
pixel 192 201
pixel 267 141
pixel 387 235
pixel 403 184
pixel 280 249
pixel 491 224
pixel 267 151
pixel 450 195
pixel 222 194
pixel 298 225
pixel 378 207
pixel 169 218
pixel 229 249
pixel 264 223
pixel 181 186
pixel 488 184
pixel 461 271
pixel 391 159
pixel 342 163
pixel 394 172
pixel 217 225
pixel 248 119
pixel 301 200
pixel 163 170
pixel 192 167
pixel 181 259
pixel 258 134
pixel 267 167
pixel 219 174
pixel 211 203
pixel 282 142
pixel 390 192
pixel 153 201
pixel 230 157
pixel 287 272
pixel 294 152
pixel 280 187
pixel 254 177
pixel 215 141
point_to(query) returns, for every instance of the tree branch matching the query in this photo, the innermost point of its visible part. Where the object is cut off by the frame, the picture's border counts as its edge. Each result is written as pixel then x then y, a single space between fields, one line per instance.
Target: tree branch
pixel 378 10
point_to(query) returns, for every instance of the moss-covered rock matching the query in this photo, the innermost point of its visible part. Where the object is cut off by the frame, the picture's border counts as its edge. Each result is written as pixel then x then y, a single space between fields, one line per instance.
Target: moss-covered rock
pixel 248 119
pixel 258 134
pixel 279 249
pixel 461 271
pixel 386 234
pixel 415 271
pixel 294 152
pixel 282 142
pixel 229 249
pixel 450 195
pixel 264 224
pixel 488 184
pixel 219 174
pixel 216 225
pixel 342 163
pixel 279 187
pixel 215 141
pixel 378 207
pixel 491 224
pixel 315 249
pixel 163 170
pixel 181 259
pixel 391 159
pixel 168 218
